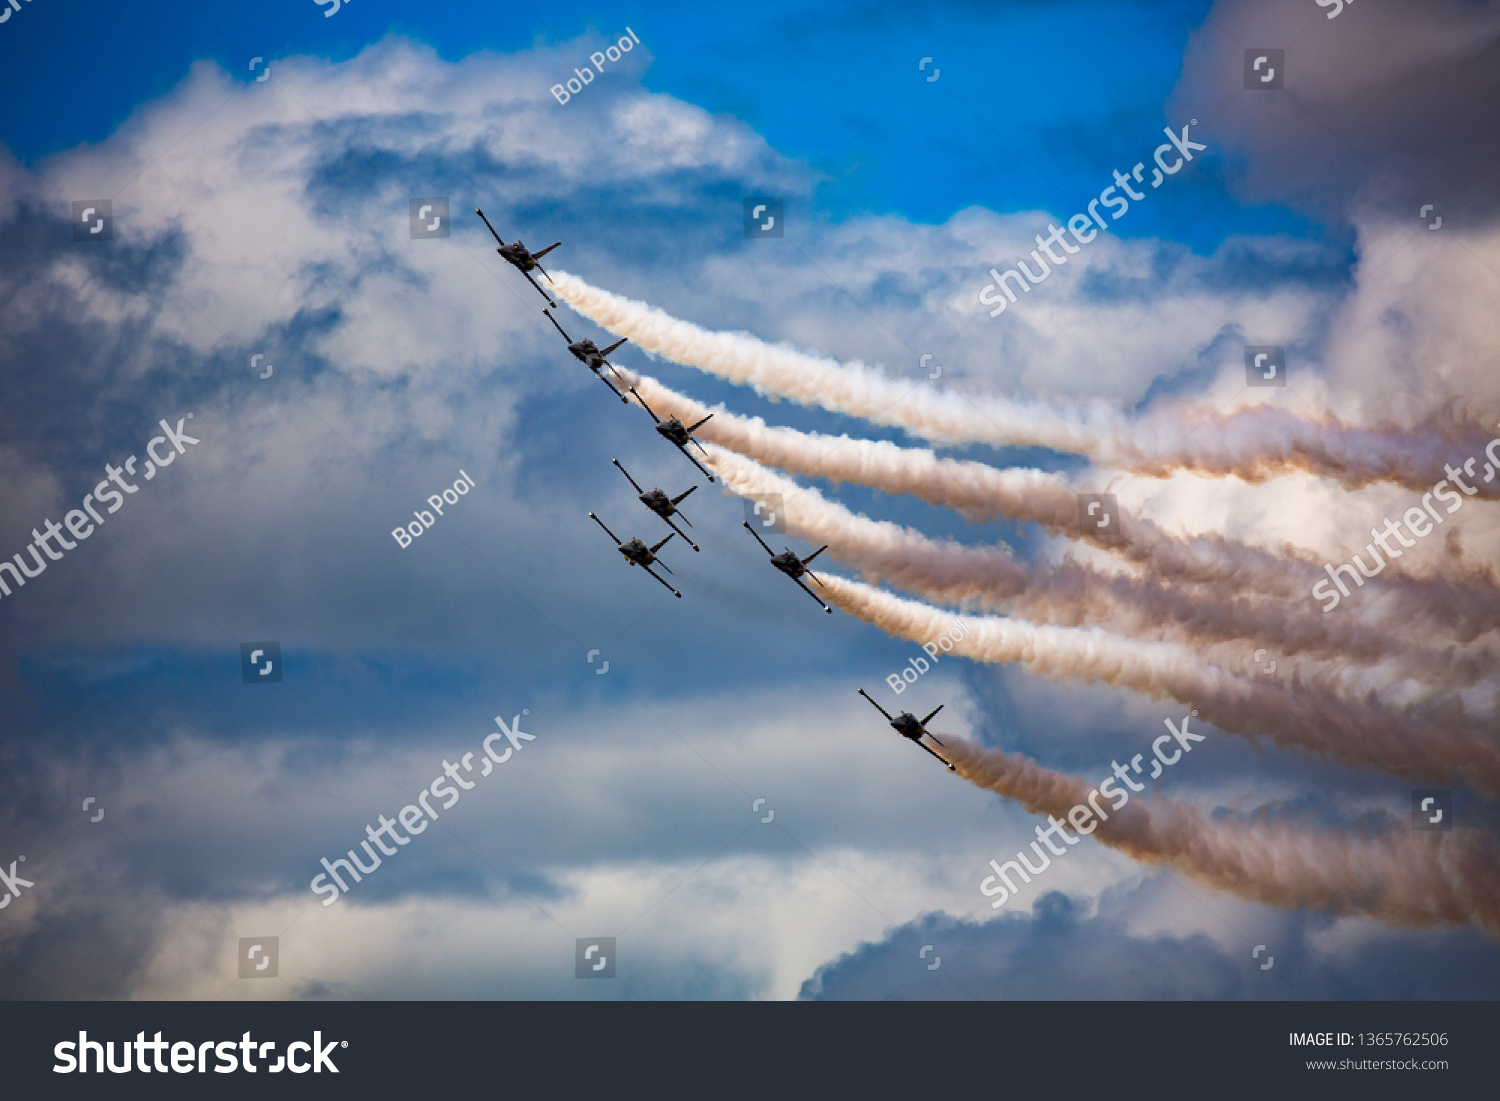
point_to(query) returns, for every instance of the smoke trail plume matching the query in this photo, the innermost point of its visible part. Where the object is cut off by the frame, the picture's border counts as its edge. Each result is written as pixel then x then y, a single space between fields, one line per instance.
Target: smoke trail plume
pixel 1419 605
pixel 1395 876
pixel 1253 443
pixel 1431 742
pixel 1070 594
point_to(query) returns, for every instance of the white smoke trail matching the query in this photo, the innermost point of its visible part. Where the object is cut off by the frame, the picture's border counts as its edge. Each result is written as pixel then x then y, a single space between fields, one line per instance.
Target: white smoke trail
pixel 1253 443
pixel 1429 742
pixel 977 491
pixel 1392 875
pixel 1070 594
pixel 1462 610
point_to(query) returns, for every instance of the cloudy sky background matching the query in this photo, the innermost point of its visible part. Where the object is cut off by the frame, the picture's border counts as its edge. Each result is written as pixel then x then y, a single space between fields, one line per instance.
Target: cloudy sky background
pixel 272 218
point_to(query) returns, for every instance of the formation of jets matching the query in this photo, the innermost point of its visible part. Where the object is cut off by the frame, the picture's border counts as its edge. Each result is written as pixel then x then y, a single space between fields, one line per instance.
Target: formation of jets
pixel 637 552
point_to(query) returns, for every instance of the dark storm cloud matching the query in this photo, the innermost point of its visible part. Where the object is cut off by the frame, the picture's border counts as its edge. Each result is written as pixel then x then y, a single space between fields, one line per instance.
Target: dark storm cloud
pixel 396 365
pixel 73 379
pixel 317 465
pixel 1387 106
pixel 1240 265
pixel 120 663
pixel 1061 952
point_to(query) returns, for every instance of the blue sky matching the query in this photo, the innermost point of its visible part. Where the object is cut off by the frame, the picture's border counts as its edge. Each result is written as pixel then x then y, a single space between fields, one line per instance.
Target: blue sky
pixel 272 219
pixel 1030 110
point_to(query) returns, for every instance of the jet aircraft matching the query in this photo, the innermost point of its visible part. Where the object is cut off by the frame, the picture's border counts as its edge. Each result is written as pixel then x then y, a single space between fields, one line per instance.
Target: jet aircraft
pixel 521 258
pixel 676 433
pixel 588 354
pixel 638 554
pixel 794 567
pixel 659 503
pixel 912 728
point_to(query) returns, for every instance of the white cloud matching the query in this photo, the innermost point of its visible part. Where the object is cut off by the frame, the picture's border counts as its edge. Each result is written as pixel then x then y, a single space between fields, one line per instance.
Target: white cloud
pixel 398 361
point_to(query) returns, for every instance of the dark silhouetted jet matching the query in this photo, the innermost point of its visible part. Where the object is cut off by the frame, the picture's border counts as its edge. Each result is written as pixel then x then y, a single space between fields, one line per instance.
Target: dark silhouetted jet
pixel 794 567
pixel 659 503
pixel 638 554
pixel 521 258
pixel 912 728
pixel 588 354
pixel 676 433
